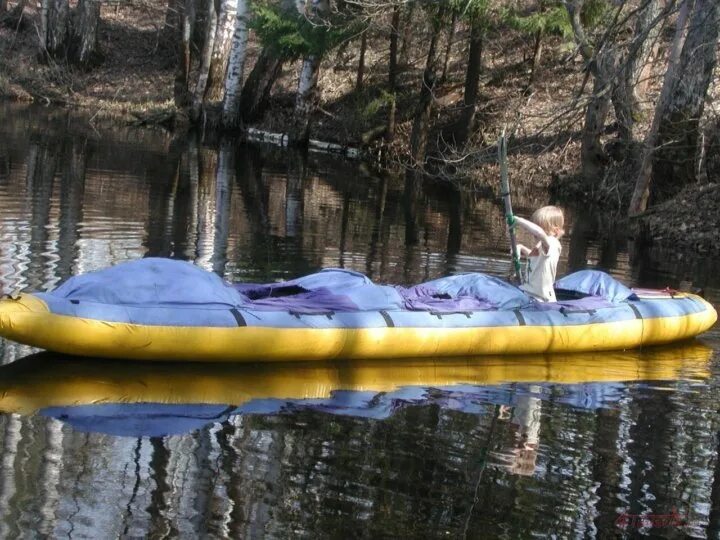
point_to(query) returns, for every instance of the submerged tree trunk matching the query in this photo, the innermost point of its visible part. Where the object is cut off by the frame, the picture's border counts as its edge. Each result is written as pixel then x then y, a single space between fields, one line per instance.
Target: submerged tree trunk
pixel 472 79
pixel 236 64
pixel 224 36
pixel 84 44
pixel 392 72
pixel 205 58
pixel 421 124
pixel 184 32
pixel 679 131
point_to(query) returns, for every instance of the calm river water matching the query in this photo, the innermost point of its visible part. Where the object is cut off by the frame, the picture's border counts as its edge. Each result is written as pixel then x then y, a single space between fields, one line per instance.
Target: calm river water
pixel 554 446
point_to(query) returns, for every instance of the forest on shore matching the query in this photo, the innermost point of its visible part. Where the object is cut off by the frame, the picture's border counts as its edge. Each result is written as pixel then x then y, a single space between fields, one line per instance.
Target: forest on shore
pixel 606 103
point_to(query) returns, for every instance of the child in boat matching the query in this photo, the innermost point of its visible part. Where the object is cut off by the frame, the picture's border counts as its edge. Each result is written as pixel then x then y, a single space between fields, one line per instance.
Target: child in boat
pixel 546 225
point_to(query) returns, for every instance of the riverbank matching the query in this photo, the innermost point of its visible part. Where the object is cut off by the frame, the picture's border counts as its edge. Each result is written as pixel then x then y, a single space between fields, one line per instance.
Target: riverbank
pixel 133 83
pixel 690 222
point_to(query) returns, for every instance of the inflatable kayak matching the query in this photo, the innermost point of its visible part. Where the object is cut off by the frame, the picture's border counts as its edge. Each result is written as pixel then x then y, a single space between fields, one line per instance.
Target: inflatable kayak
pixel 148 399
pixel 161 309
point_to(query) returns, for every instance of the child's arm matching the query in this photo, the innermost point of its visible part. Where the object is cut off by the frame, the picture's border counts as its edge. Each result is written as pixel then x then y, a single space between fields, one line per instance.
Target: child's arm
pixel 535 230
pixel 523 251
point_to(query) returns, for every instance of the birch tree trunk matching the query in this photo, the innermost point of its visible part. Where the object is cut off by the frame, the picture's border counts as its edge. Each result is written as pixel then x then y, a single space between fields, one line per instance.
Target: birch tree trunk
pixel 224 35
pixel 306 99
pixel 307 92
pixel 204 70
pixel 231 103
pixel 679 130
pixel 84 44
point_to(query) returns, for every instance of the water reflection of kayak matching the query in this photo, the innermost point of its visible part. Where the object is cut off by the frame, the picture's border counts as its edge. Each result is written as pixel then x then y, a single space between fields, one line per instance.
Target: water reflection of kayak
pixel 129 398
pixel 157 309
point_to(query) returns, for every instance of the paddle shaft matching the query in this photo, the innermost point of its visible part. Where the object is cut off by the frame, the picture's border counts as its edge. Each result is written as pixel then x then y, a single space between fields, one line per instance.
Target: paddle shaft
pixel 505 189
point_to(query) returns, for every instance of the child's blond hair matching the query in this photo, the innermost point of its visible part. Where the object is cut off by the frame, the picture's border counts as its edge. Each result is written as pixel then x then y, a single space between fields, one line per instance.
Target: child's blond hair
pixel 549 218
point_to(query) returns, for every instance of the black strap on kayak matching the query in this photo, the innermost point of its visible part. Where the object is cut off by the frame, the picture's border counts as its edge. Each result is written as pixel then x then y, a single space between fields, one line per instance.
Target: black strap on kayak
pixel 388 319
pixel 325 313
pixel 239 319
pixel 439 314
pixel 565 311
pixel 520 318
pixel 636 311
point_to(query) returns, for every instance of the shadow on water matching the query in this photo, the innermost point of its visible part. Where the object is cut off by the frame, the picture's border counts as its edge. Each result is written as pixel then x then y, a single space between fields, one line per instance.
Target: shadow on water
pixel 457 447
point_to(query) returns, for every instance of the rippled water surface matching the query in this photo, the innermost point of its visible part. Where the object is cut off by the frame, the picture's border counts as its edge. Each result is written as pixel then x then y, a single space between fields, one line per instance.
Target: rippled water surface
pixel 549 446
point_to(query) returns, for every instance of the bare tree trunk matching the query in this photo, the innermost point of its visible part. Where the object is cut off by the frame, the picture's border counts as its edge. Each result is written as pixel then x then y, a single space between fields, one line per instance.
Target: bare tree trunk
pixel 224 34
pixel 44 9
pixel 448 45
pixel 407 33
pixel 361 62
pixel 205 58
pixel 679 131
pixel 57 26
pixel 392 72
pixel 185 27
pixel 236 65
pixel 173 17
pixel 537 54
pixel 641 193
pixel 84 45
pixel 602 64
pixel 421 123
pixel 593 156
pixel 256 90
pixel 472 79
pixel 3 6
pixel 624 97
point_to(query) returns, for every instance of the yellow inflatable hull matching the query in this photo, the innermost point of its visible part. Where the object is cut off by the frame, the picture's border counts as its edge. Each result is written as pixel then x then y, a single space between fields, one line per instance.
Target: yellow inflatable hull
pixel 27 319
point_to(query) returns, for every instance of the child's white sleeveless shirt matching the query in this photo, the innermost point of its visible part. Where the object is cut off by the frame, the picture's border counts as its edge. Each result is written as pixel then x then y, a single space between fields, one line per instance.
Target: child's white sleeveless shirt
pixel 543 268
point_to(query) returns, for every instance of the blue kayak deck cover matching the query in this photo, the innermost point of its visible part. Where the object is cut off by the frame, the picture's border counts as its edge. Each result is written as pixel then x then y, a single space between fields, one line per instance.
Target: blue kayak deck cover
pixel 159 287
